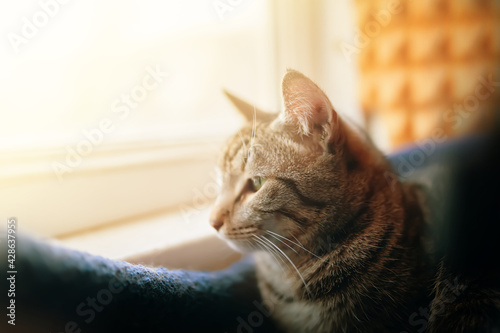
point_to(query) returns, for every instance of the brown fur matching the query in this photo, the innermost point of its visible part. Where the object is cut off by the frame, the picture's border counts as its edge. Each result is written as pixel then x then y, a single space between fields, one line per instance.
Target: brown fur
pixel 326 211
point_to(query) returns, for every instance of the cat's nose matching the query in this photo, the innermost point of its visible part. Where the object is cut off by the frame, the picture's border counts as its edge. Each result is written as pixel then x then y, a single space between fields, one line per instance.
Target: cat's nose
pixel 216 224
pixel 217 218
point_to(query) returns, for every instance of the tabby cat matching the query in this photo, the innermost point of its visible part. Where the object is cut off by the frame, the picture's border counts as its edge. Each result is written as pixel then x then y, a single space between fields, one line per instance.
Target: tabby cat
pixel 338 247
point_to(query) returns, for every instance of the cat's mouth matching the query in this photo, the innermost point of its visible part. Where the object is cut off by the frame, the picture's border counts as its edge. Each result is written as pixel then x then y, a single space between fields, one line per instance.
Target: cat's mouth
pixel 243 235
pixel 240 239
pixel 240 233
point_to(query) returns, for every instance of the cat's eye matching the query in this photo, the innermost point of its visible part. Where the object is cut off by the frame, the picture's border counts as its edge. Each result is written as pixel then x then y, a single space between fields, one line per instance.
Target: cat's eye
pixel 258 182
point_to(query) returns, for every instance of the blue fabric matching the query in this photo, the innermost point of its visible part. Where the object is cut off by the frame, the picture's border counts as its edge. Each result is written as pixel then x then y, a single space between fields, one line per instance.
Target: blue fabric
pixel 61 290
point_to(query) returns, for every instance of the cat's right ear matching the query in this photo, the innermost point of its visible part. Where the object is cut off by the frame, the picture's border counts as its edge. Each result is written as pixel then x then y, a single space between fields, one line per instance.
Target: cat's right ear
pixel 248 110
pixel 308 111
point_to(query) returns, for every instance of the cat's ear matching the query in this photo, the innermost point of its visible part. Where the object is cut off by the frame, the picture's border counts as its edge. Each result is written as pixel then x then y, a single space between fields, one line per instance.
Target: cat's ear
pixel 248 110
pixel 308 110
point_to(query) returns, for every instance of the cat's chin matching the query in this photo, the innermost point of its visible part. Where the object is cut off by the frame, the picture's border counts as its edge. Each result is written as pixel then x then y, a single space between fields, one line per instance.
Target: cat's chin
pixel 239 246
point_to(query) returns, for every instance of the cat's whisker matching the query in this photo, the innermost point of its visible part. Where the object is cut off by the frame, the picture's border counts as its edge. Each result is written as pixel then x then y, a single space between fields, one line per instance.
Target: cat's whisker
pixel 247 151
pixel 266 247
pixel 262 247
pixel 250 244
pixel 289 260
pixel 354 315
pixel 297 240
pixel 302 247
pixel 272 252
pixel 254 129
pixel 283 243
pixel 253 246
pixel 254 123
pixel 274 255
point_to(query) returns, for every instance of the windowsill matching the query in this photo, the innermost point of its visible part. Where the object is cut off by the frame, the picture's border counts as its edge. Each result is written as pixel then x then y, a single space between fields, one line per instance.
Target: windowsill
pixel 166 239
pixel 113 183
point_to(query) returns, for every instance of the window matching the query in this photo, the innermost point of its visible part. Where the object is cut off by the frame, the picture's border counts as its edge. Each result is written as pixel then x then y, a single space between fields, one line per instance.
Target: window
pixel 113 111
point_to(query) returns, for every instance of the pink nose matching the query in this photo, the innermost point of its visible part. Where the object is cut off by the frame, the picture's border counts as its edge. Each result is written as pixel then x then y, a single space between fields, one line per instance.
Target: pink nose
pixel 217 218
pixel 216 224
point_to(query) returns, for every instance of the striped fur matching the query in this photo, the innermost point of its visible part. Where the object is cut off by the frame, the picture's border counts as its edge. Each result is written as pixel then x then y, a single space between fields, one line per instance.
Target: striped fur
pixel 338 247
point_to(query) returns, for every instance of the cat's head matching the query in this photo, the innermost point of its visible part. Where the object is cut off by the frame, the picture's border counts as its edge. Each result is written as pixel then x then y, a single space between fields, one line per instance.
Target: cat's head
pixel 295 175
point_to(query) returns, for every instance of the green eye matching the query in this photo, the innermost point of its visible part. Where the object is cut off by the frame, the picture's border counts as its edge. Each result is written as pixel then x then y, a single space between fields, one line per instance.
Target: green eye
pixel 258 182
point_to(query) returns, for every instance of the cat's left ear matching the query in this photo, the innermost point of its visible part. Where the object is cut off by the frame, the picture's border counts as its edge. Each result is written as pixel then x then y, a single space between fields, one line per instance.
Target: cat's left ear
pixel 308 110
pixel 248 110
